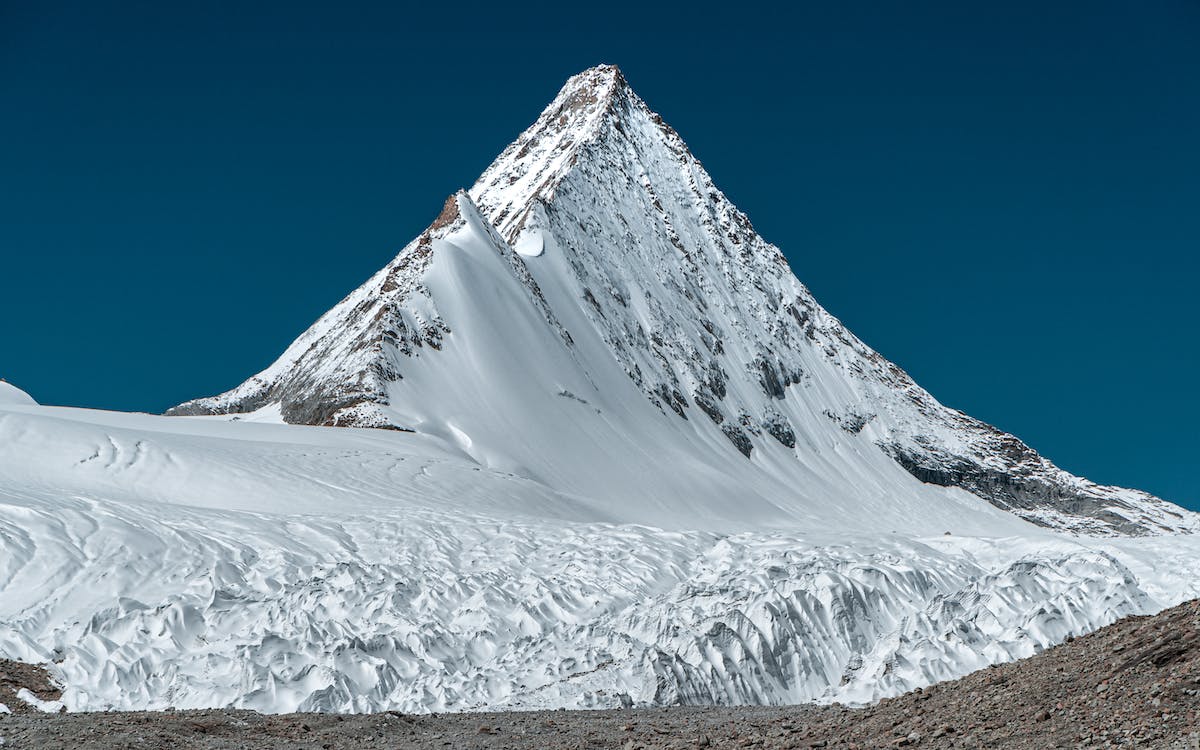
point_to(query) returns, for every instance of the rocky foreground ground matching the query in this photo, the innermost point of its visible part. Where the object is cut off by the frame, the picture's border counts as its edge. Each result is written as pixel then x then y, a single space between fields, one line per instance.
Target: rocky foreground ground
pixel 1133 684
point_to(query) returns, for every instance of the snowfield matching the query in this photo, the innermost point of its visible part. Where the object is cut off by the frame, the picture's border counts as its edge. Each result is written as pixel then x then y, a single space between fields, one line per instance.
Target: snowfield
pixel 195 562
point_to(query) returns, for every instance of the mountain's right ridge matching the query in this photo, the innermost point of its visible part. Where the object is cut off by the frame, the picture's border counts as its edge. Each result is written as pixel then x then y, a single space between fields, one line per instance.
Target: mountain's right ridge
pixel 610 302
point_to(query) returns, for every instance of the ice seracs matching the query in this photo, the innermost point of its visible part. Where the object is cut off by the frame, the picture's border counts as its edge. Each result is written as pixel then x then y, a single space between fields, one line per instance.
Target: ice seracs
pixel 618 316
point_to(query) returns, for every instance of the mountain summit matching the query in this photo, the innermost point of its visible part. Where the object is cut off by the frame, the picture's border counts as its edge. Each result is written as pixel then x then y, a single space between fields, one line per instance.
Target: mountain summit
pixel 594 314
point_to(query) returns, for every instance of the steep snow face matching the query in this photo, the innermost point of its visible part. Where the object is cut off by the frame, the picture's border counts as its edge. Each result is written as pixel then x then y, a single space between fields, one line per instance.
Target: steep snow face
pixel 155 562
pixel 594 315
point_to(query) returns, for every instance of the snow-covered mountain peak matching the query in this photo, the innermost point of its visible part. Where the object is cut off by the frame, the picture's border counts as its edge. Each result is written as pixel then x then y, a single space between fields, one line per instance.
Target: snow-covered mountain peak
pixel 594 310
pixel 631 461
pixel 532 166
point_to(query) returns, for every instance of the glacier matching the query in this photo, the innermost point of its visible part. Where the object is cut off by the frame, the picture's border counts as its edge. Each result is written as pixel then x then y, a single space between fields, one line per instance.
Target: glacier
pixel 584 442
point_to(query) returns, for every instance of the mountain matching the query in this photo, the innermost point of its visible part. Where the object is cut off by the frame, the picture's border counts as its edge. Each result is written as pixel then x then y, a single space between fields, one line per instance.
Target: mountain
pixel 595 315
pixel 617 456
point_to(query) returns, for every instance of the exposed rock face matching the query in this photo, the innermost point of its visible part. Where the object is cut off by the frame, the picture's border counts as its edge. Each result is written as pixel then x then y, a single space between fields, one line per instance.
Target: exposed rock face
pixel 613 257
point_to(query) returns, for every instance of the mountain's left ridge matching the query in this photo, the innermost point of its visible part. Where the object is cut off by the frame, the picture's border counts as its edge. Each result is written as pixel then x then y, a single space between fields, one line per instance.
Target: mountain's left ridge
pixel 596 315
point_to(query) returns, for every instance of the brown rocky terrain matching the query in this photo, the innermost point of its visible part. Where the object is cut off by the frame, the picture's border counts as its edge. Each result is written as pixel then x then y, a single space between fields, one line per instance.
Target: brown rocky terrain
pixel 1133 684
pixel 15 675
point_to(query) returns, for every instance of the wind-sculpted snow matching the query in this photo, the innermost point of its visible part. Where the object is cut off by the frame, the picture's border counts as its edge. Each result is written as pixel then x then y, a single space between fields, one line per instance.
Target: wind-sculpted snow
pixel 196 562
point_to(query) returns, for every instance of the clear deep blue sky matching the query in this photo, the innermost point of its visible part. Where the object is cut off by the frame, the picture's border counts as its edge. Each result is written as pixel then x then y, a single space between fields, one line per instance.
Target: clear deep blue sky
pixel 1004 200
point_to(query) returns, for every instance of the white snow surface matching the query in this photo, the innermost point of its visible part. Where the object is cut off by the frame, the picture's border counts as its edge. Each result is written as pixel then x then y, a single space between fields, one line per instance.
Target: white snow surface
pixel 189 562
pixel 640 465
pixel 50 707
pixel 10 394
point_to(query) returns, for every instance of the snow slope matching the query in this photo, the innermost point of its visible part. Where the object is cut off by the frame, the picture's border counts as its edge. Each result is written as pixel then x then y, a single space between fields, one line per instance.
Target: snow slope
pixel 10 394
pixel 593 309
pixel 200 562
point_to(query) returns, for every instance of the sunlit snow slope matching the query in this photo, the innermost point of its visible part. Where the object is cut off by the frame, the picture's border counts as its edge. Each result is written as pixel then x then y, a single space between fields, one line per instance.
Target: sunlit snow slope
pixel 595 315
pixel 630 461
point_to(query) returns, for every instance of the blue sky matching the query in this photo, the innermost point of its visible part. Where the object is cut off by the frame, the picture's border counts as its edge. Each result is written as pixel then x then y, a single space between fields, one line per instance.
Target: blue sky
pixel 1002 200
